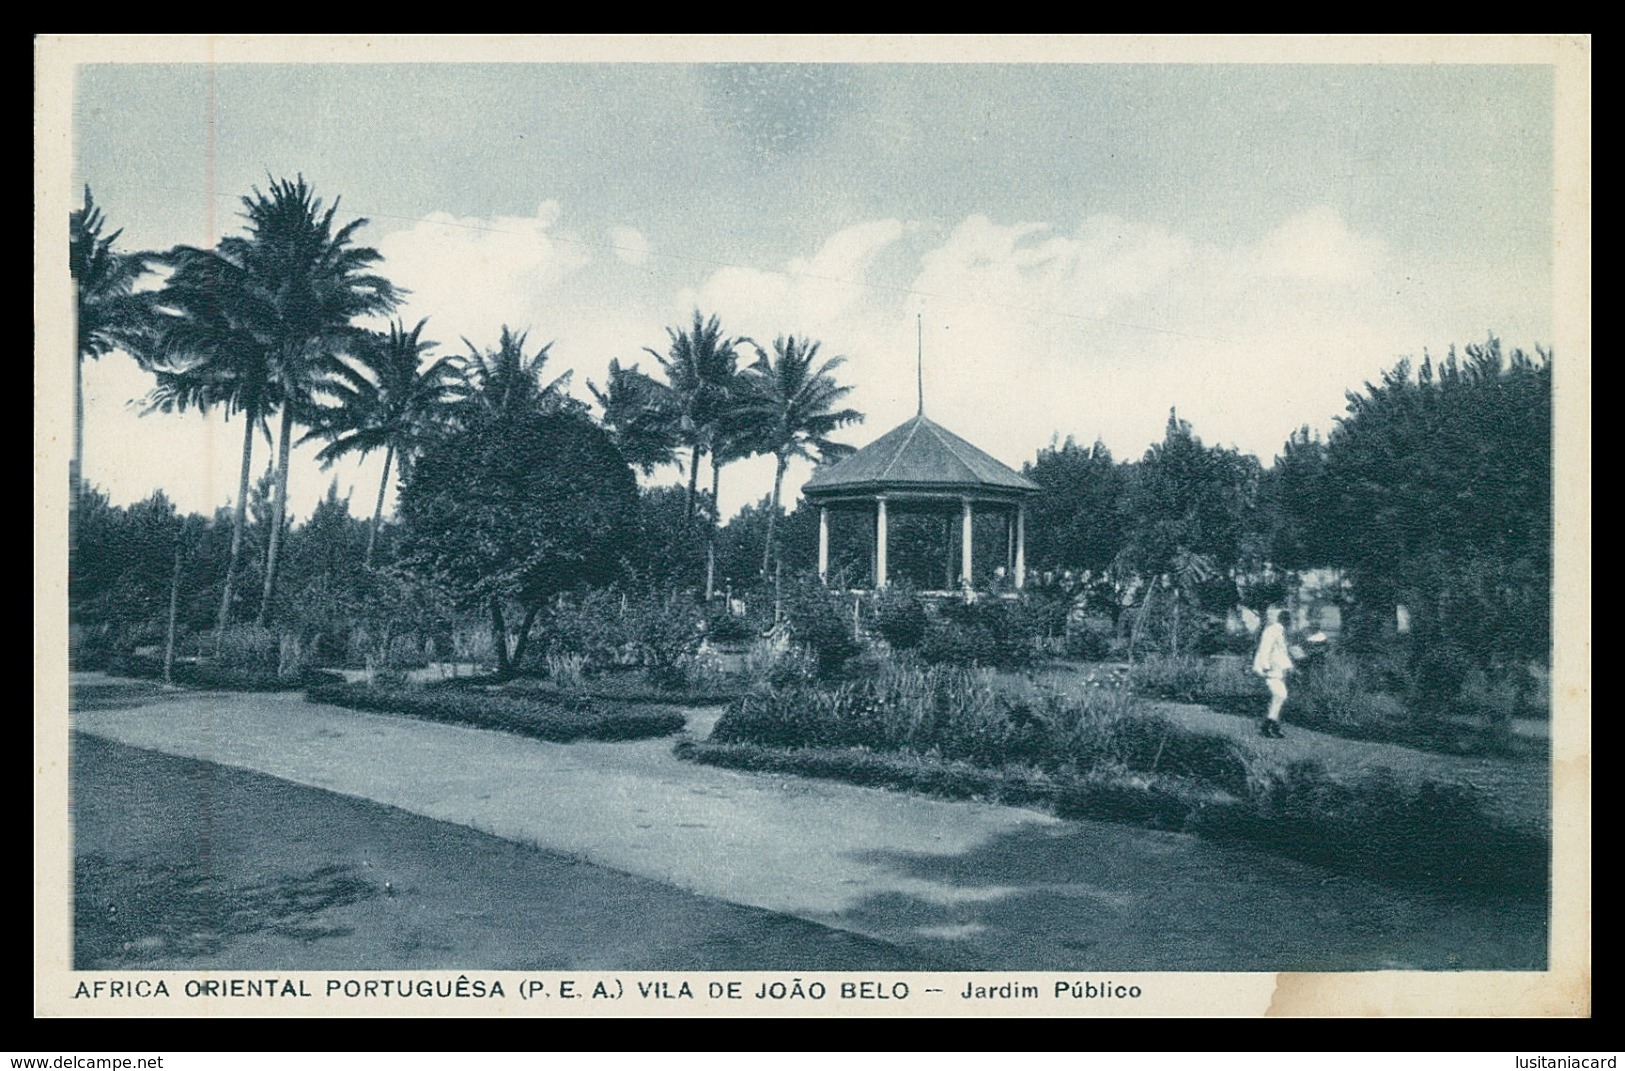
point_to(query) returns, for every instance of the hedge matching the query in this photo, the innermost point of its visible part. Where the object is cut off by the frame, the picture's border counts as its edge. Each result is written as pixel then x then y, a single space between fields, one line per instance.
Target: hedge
pixel 559 720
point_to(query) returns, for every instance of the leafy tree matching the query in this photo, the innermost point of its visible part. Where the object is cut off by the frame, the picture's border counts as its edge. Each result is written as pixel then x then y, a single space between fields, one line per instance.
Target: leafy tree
pixel 1439 484
pixel 1077 523
pixel 1190 509
pixel 1192 498
pixel 739 542
pixel 666 554
pixel 737 435
pixel 793 403
pixel 344 609
pixel 305 284
pixel 123 571
pixel 201 359
pixel 323 566
pixel 384 397
pixel 1293 496
pixel 109 314
pixel 516 507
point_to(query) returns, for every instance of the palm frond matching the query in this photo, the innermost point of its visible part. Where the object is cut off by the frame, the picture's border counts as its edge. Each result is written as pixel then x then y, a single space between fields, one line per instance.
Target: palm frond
pixel 794 401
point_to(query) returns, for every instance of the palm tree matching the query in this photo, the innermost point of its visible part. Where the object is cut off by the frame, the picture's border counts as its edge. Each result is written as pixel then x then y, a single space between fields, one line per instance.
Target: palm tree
pixel 639 414
pixel 793 404
pixel 290 290
pixel 506 381
pixel 202 360
pixel 737 433
pixel 645 419
pixel 301 284
pixel 383 397
pixel 699 365
pixel 109 313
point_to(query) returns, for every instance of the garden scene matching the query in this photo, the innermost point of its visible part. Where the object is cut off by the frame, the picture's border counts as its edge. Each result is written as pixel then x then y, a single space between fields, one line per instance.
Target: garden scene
pixel 528 584
pixel 809 560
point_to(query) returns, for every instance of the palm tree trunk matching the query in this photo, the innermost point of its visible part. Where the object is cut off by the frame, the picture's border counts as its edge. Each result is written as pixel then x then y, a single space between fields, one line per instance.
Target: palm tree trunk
pixel 1139 620
pixel 76 471
pixel 378 510
pixel 773 514
pixel 278 514
pixel 711 531
pixel 239 518
pixel 76 463
pixel 693 481
pixel 174 609
pixel 1177 599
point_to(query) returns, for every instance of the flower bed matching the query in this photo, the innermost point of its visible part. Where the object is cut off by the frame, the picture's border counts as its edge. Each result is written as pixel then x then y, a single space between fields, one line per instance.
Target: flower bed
pixel 220 678
pixel 560 719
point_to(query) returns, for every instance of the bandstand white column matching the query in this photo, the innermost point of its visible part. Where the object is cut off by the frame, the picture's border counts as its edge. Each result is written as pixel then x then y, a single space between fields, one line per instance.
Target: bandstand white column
pixel 880 541
pixel 1021 546
pixel 823 544
pixel 965 574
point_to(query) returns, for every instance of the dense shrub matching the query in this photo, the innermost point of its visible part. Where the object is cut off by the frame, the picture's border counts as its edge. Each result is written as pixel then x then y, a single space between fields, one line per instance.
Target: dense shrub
pixel 959 713
pixel 566 670
pixel 1331 694
pixel 791 667
pixel 1224 684
pixel 592 627
pixel 899 618
pixel 249 647
pixel 822 621
pixel 1088 645
pixel 983 633
pixel 218 677
pixel 1431 833
pixel 666 630
pixel 701 687
pixel 723 627
pixel 954 732
pixel 1147 743
pixel 557 718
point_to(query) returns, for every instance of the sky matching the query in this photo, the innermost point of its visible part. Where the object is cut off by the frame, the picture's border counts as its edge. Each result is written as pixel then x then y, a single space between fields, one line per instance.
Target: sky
pixel 1085 244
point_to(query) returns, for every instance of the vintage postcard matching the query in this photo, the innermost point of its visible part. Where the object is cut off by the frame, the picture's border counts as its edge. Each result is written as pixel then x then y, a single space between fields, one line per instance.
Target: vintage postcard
pixel 812 526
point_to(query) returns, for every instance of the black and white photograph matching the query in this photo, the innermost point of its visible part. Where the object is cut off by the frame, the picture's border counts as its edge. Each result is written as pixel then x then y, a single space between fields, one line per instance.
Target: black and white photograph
pixel 812 525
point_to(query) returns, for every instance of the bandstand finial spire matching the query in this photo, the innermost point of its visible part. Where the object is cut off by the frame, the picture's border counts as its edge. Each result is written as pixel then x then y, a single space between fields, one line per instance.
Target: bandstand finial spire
pixel 919 359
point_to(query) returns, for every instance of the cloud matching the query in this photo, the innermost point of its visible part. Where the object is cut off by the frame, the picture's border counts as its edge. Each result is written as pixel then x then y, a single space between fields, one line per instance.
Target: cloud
pixel 810 293
pixel 472 275
pixel 630 245
pixel 1018 267
pixel 1316 245
pixel 1099 330
pixel 1094 326
pixel 1097 327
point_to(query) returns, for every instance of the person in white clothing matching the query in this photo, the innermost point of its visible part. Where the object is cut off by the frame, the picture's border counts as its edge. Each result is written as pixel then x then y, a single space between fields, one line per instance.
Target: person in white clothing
pixel 1273 662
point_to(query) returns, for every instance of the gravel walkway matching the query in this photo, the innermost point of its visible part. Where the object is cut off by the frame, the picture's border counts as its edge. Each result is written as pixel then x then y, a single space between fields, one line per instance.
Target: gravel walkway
pixel 989 887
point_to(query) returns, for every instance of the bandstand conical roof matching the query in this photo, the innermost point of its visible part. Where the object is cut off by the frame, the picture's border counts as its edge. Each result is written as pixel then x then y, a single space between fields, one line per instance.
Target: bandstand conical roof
pixel 919 456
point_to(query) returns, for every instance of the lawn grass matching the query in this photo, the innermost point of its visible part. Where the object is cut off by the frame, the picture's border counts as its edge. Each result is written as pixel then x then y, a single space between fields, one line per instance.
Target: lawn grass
pixel 1328 696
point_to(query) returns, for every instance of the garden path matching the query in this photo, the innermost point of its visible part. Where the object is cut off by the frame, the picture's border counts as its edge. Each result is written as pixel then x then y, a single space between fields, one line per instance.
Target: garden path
pixel 972 884
pixel 1516 789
